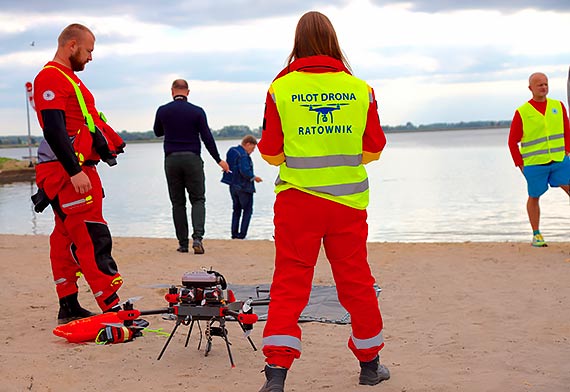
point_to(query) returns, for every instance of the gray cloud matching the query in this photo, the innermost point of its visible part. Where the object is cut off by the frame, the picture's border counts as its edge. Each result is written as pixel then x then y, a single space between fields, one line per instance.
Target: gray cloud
pixel 20 41
pixel 242 67
pixel 459 5
pixel 131 72
pixel 458 65
pixel 180 13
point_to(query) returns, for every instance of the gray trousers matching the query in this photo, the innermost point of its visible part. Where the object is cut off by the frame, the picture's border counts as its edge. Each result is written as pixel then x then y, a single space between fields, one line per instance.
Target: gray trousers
pixel 185 173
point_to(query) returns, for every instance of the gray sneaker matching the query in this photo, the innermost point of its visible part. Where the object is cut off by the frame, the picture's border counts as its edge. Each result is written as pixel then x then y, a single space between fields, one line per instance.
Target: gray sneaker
pixel 372 373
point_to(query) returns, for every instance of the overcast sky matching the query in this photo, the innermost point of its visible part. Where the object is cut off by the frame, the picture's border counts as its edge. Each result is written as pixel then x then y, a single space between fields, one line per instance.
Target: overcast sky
pixel 428 61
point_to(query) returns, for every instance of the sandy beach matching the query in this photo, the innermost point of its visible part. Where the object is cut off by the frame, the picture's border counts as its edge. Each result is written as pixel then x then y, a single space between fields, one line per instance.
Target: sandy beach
pixel 458 317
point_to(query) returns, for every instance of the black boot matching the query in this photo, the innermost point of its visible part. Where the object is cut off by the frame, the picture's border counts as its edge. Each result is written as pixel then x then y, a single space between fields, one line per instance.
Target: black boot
pixel 69 310
pixel 275 379
pixel 372 373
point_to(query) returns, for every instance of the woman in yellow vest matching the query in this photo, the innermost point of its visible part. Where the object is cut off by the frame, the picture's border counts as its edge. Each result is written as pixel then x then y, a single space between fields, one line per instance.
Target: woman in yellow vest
pixel 320 127
pixel 539 141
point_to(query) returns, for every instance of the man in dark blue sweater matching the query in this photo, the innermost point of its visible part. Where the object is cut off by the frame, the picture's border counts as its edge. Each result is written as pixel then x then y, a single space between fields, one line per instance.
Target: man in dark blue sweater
pixel 183 125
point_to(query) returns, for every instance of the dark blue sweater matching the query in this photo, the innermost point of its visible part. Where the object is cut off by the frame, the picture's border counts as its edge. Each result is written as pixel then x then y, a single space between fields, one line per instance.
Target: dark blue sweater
pixel 183 125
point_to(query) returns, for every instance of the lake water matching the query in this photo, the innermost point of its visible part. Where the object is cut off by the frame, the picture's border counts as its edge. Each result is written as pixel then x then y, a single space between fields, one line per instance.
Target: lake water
pixel 448 186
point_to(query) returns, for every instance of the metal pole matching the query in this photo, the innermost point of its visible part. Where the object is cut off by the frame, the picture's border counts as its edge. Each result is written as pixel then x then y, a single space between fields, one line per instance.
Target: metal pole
pixel 568 90
pixel 28 91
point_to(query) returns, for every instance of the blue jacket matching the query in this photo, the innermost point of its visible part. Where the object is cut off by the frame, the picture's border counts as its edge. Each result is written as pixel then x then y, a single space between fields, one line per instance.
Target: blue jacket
pixel 241 167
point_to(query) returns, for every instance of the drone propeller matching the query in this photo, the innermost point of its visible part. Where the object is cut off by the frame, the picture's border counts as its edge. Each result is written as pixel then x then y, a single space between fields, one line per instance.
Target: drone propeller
pixel 159 286
pixel 246 306
pixel 131 300
pixel 236 306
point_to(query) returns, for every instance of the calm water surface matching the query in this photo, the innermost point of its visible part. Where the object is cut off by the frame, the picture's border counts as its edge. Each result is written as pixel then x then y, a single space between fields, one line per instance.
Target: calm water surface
pixel 446 186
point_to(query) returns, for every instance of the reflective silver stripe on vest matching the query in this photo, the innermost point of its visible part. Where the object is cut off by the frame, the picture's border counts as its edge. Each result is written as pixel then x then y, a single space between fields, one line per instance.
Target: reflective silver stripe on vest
pixel 540 152
pixel 363 344
pixel 341 189
pixel 334 190
pixel 282 340
pixel 320 162
pixel 542 140
pixel 60 281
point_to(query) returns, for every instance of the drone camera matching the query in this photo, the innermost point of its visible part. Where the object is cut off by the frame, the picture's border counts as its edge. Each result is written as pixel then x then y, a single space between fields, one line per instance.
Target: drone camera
pixel 187 295
pixel 213 295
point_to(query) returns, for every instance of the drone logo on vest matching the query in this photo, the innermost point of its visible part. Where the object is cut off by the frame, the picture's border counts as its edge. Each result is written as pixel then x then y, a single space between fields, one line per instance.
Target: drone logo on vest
pixel 324 112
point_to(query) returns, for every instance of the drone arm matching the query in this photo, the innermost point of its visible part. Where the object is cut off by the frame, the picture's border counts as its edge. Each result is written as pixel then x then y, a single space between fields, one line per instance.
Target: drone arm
pixel 243 318
pixel 259 302
pixel 247 318
pixel 133 314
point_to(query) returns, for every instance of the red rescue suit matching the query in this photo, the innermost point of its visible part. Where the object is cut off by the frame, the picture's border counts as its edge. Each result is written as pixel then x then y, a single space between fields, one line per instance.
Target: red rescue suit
pixel 303 221
pixel 80 242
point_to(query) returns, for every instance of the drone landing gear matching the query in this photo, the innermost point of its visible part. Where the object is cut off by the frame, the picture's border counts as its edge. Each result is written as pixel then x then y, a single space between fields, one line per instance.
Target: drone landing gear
pixel 211 330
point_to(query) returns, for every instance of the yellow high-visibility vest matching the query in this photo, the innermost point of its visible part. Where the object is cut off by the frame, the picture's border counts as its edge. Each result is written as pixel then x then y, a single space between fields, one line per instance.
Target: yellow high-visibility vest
pixel 543 135
pixel 323 118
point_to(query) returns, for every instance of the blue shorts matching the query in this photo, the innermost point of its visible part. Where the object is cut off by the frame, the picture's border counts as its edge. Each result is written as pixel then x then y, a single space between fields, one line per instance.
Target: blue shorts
pixel 538 177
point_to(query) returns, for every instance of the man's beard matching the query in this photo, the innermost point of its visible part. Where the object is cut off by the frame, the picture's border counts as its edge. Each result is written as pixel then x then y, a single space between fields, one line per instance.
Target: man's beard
pixel 76 64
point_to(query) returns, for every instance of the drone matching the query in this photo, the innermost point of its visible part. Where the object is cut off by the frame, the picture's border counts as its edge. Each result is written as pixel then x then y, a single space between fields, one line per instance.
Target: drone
pixel 201 298
pixel 323 112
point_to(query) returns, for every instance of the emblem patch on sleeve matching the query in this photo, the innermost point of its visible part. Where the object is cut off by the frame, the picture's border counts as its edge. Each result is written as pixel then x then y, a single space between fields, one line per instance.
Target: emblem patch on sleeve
pixel 48 95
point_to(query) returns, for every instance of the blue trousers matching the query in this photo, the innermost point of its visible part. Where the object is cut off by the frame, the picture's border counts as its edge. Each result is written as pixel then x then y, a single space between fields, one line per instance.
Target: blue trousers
pixel 242 203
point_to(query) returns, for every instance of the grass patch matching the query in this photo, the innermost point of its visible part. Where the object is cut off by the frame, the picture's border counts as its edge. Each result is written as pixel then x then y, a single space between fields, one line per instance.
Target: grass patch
pixel 12 164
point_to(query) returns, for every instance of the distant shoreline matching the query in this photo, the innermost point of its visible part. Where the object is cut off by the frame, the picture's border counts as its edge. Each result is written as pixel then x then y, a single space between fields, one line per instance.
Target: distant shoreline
pixel 490 128
pixel 387 129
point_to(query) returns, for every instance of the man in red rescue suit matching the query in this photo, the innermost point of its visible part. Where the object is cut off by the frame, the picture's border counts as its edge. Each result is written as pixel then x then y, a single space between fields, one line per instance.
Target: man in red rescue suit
pixel 321 126
pixel 76 138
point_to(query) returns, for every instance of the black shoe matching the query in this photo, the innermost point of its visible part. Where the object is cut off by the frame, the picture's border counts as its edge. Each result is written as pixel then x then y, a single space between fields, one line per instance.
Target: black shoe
pixel 198 247
pixel 137 327
pixel 275 379
pixel 69 310
pixel 182 249
pixel 140 323
pixel 372 373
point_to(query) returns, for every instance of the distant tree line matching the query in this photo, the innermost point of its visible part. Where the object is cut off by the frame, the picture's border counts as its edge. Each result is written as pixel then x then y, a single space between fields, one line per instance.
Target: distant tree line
pixel 19 140
pixel 227 132
pixel 239 131
pixel 447 126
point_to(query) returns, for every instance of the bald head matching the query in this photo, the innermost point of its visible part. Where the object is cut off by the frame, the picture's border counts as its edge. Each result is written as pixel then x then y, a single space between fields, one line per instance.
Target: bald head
pixel 180 84
pixel 76 32
pixel 180 87
pixel 538 85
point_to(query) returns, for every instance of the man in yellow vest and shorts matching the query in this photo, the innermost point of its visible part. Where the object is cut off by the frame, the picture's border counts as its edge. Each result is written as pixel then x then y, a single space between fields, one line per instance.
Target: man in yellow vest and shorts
pixel 539 142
